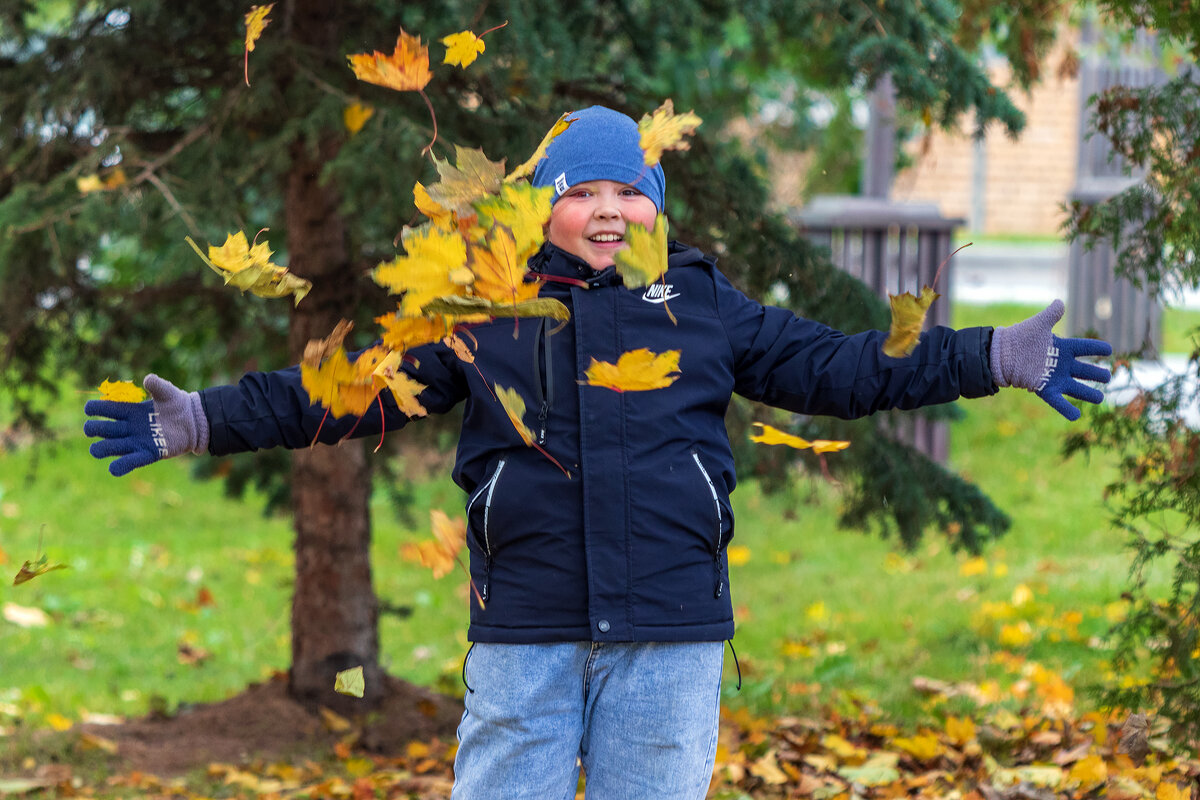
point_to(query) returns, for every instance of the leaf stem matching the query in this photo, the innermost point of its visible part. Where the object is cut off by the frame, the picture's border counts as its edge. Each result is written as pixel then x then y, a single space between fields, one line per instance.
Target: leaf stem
pixel 489 30
pixel 938 274
pixel 432 116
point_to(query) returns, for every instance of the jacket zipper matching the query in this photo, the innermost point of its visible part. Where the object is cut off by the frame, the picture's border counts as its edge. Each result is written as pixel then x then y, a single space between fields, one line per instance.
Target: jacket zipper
pixel 489 488
pixel 543 382
pixel 719 552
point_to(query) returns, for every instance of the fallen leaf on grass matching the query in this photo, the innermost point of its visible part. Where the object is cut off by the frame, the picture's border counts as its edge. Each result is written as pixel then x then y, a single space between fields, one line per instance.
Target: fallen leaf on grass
pixel 25 616
pixel 349 681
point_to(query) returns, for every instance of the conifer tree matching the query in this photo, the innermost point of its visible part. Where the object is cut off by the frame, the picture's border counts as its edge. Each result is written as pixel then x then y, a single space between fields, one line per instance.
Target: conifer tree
pixel 149 97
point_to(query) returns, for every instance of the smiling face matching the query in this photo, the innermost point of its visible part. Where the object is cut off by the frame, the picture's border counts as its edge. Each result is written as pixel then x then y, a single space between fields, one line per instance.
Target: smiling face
pixel 589 220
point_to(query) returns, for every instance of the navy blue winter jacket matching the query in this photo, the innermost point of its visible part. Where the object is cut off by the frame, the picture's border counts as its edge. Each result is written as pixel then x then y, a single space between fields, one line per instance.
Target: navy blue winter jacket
pixel 631 546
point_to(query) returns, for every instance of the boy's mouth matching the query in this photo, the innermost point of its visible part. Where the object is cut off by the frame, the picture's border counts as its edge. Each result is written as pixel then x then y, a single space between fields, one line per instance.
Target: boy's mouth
pixel 606 238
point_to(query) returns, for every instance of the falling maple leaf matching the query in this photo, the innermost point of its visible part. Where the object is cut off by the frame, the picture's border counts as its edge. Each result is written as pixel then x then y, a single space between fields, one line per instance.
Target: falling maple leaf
pixel 464 47
pixel 94 183
pixel 472 177
pixel 500 270
pixel 403 332
pixel 434 266
pixel 350 681
pixel 478 309
pixel 644 260
pixel 249 268
pixel 908 318
pixel 440 552
pixel 256 20
pixel 635 371
pixel 30 570
pixel 664 130
pixel 121 391
pixel 355 115
pixel 558 127
pixel 514 406
pixel 405 70
pixel 521 208
pixel 771 435
pixel 441 217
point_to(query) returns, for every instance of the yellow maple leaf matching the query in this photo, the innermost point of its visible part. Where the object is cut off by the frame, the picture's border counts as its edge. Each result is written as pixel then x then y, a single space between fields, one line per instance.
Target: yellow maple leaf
pixel 388 375
pixel 434 266
pixel 500 270
pixel 462 48
pixel 523 209
pixel 337 383
pixel 405 70
pixel 635 371
pixel 527 168
pixel 664 130
pixel 472 177
pixel 442 218
pixel 772 435
pixel 94 183
pixel 908 318
pixel 514 406
pixel 121 391
pixel 644 258
pixel 355 115
pixel 404 332
pixel 1169 790
pixel 249 268
pixel 923 746
pixel 256 20
pixel 440 552
pixel 960 730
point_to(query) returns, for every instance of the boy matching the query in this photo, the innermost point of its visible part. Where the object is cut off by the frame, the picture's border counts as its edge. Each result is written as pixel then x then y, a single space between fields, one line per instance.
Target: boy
pixel 606 600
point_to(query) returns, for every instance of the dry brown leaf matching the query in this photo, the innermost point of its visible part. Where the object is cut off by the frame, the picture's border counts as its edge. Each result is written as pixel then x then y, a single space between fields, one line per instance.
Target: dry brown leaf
pixel 908 318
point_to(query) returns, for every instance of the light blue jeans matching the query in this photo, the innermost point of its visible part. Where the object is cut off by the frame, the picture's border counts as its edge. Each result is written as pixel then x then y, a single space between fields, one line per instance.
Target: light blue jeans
pixel 640 717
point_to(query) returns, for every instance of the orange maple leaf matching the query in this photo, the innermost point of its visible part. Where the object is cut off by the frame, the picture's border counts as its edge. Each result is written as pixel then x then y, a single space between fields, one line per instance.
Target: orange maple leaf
pixel 405 70
pixel 500 270
pixel 908 318
pixel 440 552
pixel 664 130
pixel 256 20
pixel 635 371
pixel 771 435
pixel 121 392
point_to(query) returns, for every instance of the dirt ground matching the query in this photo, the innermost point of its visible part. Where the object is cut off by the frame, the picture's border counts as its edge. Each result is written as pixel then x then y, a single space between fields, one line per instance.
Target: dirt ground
pixel 263 722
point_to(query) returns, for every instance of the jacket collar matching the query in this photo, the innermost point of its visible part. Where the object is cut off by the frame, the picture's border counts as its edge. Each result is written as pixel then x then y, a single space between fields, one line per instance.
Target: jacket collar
pixel 553 261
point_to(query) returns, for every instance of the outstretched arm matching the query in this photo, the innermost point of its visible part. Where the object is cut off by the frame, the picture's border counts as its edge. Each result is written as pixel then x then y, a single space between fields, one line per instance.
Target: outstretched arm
pixel 1028 355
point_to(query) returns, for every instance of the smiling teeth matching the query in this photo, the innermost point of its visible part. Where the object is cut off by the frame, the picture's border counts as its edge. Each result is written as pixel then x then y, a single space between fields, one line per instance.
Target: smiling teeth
pixel 607 237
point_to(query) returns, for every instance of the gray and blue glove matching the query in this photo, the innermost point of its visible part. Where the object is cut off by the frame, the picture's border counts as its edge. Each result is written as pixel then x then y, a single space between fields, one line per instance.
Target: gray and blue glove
pixel 1030 356
pixel 171 422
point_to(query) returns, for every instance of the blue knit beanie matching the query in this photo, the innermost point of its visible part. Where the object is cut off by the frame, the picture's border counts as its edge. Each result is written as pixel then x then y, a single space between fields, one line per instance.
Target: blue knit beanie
pixel 600 145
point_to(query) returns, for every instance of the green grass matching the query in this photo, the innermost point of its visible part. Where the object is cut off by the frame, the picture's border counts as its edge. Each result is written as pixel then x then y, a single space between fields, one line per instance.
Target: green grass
pixel 822 612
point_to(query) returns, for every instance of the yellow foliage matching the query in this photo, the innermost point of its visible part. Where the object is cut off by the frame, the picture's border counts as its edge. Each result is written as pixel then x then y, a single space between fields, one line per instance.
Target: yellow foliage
pixel 434 266
pixel 1089 772
pixel 471 178
pixel 527 168
pixel 121 392
pixel 514 406
pixel 644 258
pixel 500 270
pixel 908 318
pixel 635 371
pixel 440 552
pixel 772 435
pixel 972 567
pixel 664 130
pixel 355 115
pixel 737 555
pixel 249 268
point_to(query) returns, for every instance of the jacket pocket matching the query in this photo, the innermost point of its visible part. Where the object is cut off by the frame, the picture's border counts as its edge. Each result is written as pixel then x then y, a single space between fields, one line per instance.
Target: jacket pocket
pixel 719 522
pixel 483 541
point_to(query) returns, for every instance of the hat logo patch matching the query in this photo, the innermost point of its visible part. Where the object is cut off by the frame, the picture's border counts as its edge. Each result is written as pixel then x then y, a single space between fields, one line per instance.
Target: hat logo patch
pixel 560 183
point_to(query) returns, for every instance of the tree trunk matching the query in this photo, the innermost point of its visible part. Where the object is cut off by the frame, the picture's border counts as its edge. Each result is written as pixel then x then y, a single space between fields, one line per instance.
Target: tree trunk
pixel 334 609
